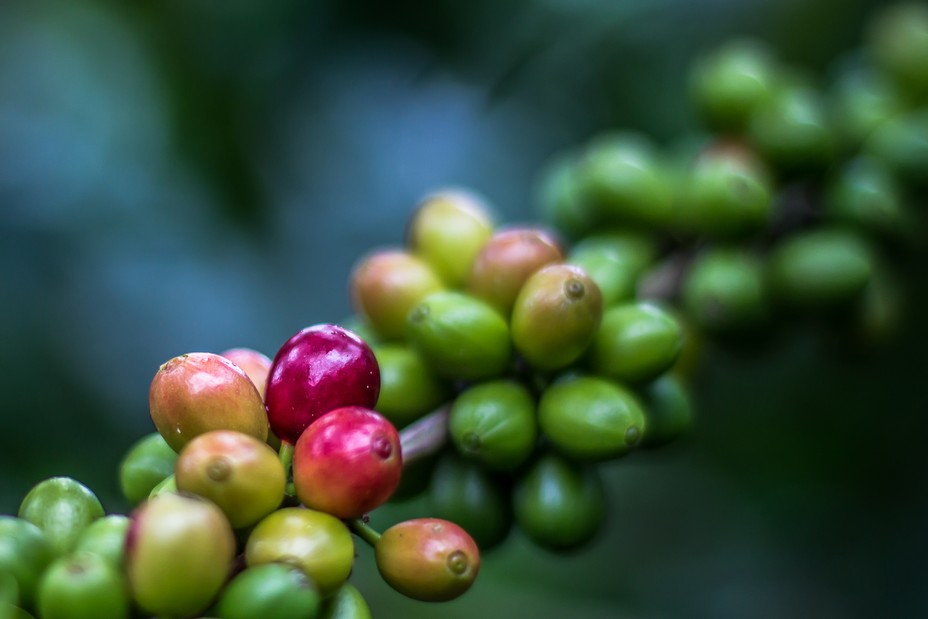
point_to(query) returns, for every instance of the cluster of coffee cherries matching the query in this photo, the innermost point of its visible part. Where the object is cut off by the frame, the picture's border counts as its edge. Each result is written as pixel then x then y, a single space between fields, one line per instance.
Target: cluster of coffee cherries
pixel 246 499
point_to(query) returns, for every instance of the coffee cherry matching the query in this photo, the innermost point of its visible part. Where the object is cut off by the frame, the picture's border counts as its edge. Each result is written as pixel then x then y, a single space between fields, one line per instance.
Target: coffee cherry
pixel 668 410
pixel 82 586
pixel 167 485
pixel 555 316
pixel 106 538
pixel 198 392
pixel 270 591
pixel 793 130
pixel 147 463
pixel 179 552
pixel 898 41
pixel 636 342
pixel 470 496
pixel 561 203
pixel 559 504
pixel 506 261
pixel 587 417
pixel 624 182
pixel 348 462
pixel 256 365
pixel 62 507
pixel 409 388
pixel 460 336
pixel 447 230
pixel 237 472
pixel 346 603
pixel 317 543
pixel 614 261
pixel 724 292
pixel 24 554
pixel 494 422
pixel 386 284
pixel 862 99
pixel 865 195
pixel 731 82
pixel 902 144
pixel 819 269
pixel 319 369
pixel 428 559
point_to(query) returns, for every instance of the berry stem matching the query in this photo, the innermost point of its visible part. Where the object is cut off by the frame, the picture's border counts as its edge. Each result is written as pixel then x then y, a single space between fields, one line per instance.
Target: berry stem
pixel 426 436
pixel 363 530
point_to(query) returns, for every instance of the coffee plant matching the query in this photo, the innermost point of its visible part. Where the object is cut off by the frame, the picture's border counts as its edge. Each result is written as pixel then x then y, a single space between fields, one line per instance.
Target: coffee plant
pixel 494 368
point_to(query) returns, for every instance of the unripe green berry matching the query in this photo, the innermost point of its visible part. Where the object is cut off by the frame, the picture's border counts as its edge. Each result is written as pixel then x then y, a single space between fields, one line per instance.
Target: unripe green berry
pixel 62 507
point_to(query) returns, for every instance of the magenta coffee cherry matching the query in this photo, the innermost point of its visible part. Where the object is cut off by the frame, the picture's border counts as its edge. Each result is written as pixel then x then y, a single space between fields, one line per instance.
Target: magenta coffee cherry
pixel 319 369
pixel 348 462
pixel 198 392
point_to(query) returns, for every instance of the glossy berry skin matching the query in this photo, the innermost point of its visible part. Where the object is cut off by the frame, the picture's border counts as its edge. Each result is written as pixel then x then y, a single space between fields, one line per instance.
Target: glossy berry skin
pixel 198 392
pixel 62 507
pixel 319 369
pixel 147 463
pixel 346 603
pixel 255 364
pixel 409 387
pixel 270 591
pixel 24 555
pixel 348 462
pixel 636 342
pixel 614 261
pixel 82 586
pixel 106 538
pixel 428 559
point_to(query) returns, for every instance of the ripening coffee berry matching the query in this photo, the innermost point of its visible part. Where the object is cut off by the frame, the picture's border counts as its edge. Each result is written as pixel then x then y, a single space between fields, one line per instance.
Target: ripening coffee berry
pixel 198 392
pixel 62 507
pixel 321 368
pixel 614 261
pixel 256 365
pixel 348 462
pixel 428 559
pixel 83 586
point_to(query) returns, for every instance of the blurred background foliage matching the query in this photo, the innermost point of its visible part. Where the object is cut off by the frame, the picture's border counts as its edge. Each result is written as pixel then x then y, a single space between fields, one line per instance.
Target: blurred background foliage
pixel 190 175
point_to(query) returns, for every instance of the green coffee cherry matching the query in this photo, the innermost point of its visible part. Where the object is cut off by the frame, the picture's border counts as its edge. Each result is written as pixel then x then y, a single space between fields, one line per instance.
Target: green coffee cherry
pixel 179 552
pixel 409 388
pixel 24 554
pixel 636 342
pixel 447 230
pixel 494 422
pixel 269 591
pixel 591 418
pixel 559 504
pixel 624 182
pixel 561 201
pixel 386 284
pixel 62 507
pixel 730 83
pixel 346 603
pixel 864 195
pixel 147 463
pixel 106 538
pixel 317 543
pixel 459 336
pixel 898 40
pixel 862 100
pixel 168 484
pixel 668 410
pixel 83 586
pixel 9 593
pixel 556 316
pixel 615 262
pixel 819 269
pixel 728 194
pixel 793 131
pixel 472 497
pixel 724 292
pixel 902 144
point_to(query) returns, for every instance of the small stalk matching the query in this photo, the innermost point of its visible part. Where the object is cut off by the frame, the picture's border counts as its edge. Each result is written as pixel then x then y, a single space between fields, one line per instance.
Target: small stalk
pixel 365 531
pixel 426 436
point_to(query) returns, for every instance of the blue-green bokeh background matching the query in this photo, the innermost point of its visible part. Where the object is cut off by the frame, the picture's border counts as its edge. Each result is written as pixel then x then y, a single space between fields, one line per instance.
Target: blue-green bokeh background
pixel 190 175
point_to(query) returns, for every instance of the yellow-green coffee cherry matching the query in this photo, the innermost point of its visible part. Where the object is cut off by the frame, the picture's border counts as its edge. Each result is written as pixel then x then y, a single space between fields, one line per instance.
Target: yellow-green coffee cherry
pixel 668 410
pixel 386 284
pixel 724 292
pixel 147 463
pixel 615 262
pixel 556 316
pixel 317 543
pixel 587 417
pixel 269 591
pixel 459 336
pixel 83 586
pixel 447 230
pixel 346 603
pixel 62 507
pixel 819 269
pixel 494 422
pixel 636 342
pixel 624 182
pixel 106 538
pixel 237 472
pixel 559 504
pixel 179 552
pixel 24 555
pixel 409 387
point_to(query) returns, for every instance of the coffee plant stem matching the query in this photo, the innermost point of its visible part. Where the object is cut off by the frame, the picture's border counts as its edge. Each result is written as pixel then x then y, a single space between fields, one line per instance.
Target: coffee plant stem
pixel 363 530
pixel 426 436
